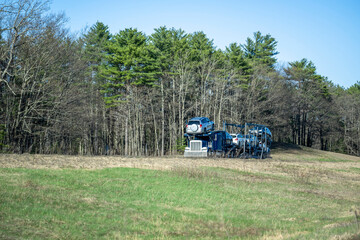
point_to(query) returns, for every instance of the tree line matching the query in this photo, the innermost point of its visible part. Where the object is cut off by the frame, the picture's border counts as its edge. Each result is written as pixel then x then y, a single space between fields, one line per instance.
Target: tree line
pixel 128 93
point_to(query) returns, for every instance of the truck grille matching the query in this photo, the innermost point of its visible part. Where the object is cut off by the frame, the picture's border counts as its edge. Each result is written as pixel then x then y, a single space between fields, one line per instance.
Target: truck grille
pixel 195 145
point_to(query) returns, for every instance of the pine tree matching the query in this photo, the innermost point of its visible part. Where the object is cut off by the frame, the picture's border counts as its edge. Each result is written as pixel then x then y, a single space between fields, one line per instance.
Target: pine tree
pixel 130 61
pixel 95 42
pixel 261 49
pixel 236 58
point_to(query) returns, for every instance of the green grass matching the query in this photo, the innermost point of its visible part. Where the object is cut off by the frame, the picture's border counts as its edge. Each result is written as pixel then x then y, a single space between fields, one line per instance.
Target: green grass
pixel 195 203
pixel 355 169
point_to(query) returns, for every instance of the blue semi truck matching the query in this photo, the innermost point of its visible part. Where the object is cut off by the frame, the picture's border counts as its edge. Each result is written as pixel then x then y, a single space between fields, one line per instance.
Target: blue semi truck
pixel 214 143
pixel 255 143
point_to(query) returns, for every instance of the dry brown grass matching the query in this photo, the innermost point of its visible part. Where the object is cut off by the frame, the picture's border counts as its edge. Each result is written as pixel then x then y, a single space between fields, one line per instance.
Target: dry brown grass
pixel 295 159
pixel 301 164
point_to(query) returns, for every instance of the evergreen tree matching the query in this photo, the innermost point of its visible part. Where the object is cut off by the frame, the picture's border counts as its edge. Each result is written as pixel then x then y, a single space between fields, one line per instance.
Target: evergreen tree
pixel 236 57
pixel 261 49
pixel 311 103
pixel 173 58
pixel 130 61
pixel 94 54
pixel 171 44
pixel 95 42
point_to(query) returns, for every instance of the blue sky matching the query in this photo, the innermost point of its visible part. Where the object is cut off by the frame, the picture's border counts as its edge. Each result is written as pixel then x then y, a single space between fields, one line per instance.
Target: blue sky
pixel 325 32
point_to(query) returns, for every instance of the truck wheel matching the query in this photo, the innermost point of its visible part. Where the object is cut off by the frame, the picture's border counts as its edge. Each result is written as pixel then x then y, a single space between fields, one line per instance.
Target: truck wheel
pixel 211 153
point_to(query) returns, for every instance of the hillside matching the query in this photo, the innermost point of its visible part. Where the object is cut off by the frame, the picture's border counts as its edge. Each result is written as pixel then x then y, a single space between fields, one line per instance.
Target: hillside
pixel 298 193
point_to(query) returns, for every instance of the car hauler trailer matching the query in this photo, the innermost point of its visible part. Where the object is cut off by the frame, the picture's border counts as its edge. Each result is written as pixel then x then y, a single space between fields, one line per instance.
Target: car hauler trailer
pixel 255 140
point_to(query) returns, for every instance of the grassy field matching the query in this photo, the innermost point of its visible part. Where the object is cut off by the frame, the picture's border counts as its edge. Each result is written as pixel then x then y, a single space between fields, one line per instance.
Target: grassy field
pixel 299 193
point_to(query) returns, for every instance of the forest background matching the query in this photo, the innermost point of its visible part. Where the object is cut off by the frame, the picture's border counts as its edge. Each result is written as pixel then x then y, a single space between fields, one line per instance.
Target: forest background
pixel 129 93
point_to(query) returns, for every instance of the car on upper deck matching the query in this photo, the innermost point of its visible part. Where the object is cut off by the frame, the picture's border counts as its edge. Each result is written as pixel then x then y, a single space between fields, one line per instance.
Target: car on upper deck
pixel 199 125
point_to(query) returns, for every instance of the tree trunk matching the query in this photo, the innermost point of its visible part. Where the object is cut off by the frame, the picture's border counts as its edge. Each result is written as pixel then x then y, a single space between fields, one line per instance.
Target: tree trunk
pixel 162 119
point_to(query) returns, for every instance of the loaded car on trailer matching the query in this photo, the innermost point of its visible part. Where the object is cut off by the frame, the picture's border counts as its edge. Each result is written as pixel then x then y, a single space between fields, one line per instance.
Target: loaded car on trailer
pixel 239 139
pixel 199 125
